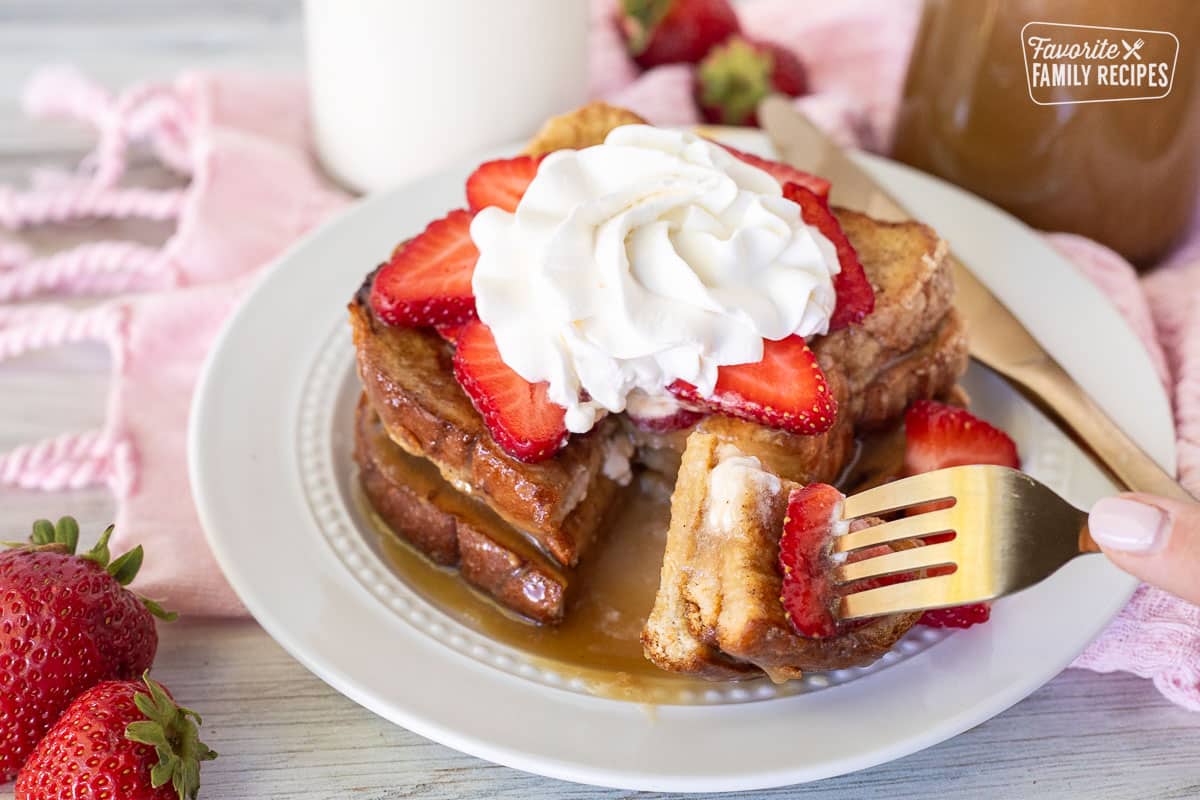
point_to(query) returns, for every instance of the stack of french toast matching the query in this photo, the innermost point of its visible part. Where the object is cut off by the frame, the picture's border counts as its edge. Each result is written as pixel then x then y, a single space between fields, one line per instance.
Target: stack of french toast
pixel 437 472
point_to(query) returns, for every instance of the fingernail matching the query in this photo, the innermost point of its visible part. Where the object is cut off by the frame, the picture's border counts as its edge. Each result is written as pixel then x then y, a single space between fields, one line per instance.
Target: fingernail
pixel 1128 525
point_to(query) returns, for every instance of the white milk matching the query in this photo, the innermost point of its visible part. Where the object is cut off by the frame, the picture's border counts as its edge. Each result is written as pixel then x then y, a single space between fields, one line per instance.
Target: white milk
pixel 402 87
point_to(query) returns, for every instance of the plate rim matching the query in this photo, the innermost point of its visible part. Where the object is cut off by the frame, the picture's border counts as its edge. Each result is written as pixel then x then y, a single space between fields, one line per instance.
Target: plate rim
pixel 622 777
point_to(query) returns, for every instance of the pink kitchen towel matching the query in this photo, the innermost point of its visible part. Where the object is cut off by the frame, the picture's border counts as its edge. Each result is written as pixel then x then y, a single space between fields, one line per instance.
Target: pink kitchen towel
pixel 242 140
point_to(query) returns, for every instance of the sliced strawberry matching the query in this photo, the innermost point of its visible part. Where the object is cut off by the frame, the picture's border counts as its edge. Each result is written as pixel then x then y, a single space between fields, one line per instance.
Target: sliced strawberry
pixel 428 280
pixel 786 389
pixel 783 173
pixel 519 415
pixel 855 296
pixel 501 183
pixel 804 559
pixel 666 423
pixel 939 436
pixel 450 332
pixel 810 596
pixel 957 617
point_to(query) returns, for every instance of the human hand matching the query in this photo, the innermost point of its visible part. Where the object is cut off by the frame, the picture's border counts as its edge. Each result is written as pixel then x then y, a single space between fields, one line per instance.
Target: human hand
pixel 1152 538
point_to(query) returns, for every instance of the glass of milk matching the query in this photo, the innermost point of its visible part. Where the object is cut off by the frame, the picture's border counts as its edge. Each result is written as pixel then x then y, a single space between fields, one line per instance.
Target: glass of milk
pixel 400 88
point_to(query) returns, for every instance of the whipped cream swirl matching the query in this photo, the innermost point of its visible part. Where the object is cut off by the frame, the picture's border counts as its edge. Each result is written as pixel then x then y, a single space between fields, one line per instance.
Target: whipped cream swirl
pixel 653 257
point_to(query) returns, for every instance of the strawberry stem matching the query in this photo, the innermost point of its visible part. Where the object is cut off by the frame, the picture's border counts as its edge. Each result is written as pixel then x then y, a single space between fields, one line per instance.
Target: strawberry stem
pixel 639 20
pixel 66 532
pixel 43 532
pixel 735 77
pixel 63 537
pixel 125 568
pixel 173 732
pixel 99 553
pixel 157 610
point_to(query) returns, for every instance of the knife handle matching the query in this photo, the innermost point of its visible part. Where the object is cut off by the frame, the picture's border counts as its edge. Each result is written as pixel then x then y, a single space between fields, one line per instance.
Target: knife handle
pixel 1050 383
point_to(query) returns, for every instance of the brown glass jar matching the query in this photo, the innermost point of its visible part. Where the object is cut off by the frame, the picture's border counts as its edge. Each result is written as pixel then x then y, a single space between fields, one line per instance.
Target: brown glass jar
pixel 1125 172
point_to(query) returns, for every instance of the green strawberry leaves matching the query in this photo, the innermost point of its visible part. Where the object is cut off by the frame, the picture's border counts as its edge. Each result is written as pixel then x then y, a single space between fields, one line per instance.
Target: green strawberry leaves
pixel 173 732
pixel 125 568
pixel 63 537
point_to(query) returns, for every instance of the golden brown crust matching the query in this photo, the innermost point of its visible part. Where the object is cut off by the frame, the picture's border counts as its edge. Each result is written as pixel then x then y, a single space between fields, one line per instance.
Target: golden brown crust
pixel 906 264
pixel 408 378
pixel 668 638
pixel 802 459
pixel 453 530
pixel 765 637
pixel 929 370
pixel 914 289
pixel 580 128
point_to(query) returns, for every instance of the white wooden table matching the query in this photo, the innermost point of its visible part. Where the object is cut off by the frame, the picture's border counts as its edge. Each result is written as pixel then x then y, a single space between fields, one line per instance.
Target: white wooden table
pixel 284 734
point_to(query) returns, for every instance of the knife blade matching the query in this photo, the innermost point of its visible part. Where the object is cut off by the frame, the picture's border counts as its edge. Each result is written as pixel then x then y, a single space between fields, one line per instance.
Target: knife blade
pixel 997 338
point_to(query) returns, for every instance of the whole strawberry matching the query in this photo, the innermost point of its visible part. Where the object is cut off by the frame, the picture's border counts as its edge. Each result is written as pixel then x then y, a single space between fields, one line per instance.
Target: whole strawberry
pixel 735 77
pixel 66 623
pixel 674 31
pixel 120 739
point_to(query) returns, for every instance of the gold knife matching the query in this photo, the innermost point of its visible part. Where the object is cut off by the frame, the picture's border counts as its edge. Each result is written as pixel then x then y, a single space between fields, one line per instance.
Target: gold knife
pixel 998 339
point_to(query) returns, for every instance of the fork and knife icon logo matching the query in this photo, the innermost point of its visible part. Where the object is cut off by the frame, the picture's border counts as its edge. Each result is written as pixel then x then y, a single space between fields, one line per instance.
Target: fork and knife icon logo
pixel 1066 63
pixel 1132 49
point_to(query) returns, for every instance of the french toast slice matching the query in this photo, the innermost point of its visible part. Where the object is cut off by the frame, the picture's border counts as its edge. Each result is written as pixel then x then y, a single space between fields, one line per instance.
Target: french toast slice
pixel 452 529
pixel 718 614
pixel 407 376
pixel 929 370
pixel 668 637
pixel 672 637
pixel 913 346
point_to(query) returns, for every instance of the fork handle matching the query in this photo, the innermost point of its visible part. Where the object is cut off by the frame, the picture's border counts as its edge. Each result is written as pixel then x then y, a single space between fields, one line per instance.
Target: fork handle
pixel 1128 462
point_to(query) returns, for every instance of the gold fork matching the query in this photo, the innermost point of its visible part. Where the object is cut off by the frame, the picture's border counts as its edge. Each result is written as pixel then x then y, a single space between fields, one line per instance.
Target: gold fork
pixel 1011 532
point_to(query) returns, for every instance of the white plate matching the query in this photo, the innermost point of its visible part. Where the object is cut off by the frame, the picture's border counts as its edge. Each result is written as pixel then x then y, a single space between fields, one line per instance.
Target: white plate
pixel 270 472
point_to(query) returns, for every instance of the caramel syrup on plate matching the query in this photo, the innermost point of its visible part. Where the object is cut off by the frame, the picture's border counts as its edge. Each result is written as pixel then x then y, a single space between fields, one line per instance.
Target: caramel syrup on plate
pixel 611 592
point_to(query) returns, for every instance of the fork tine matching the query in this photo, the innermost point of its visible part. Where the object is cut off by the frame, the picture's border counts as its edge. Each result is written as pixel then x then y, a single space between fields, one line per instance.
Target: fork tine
pixel 910 560
pixel 896 495
pixel 937 592
pixel 906 528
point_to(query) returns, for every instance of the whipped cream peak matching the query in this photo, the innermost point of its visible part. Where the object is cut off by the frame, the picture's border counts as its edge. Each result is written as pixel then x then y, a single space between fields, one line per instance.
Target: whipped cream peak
pixel 653 257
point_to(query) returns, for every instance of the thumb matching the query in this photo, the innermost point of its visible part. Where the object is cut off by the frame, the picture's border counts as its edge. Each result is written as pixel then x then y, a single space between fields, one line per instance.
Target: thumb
pixel 1152 538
